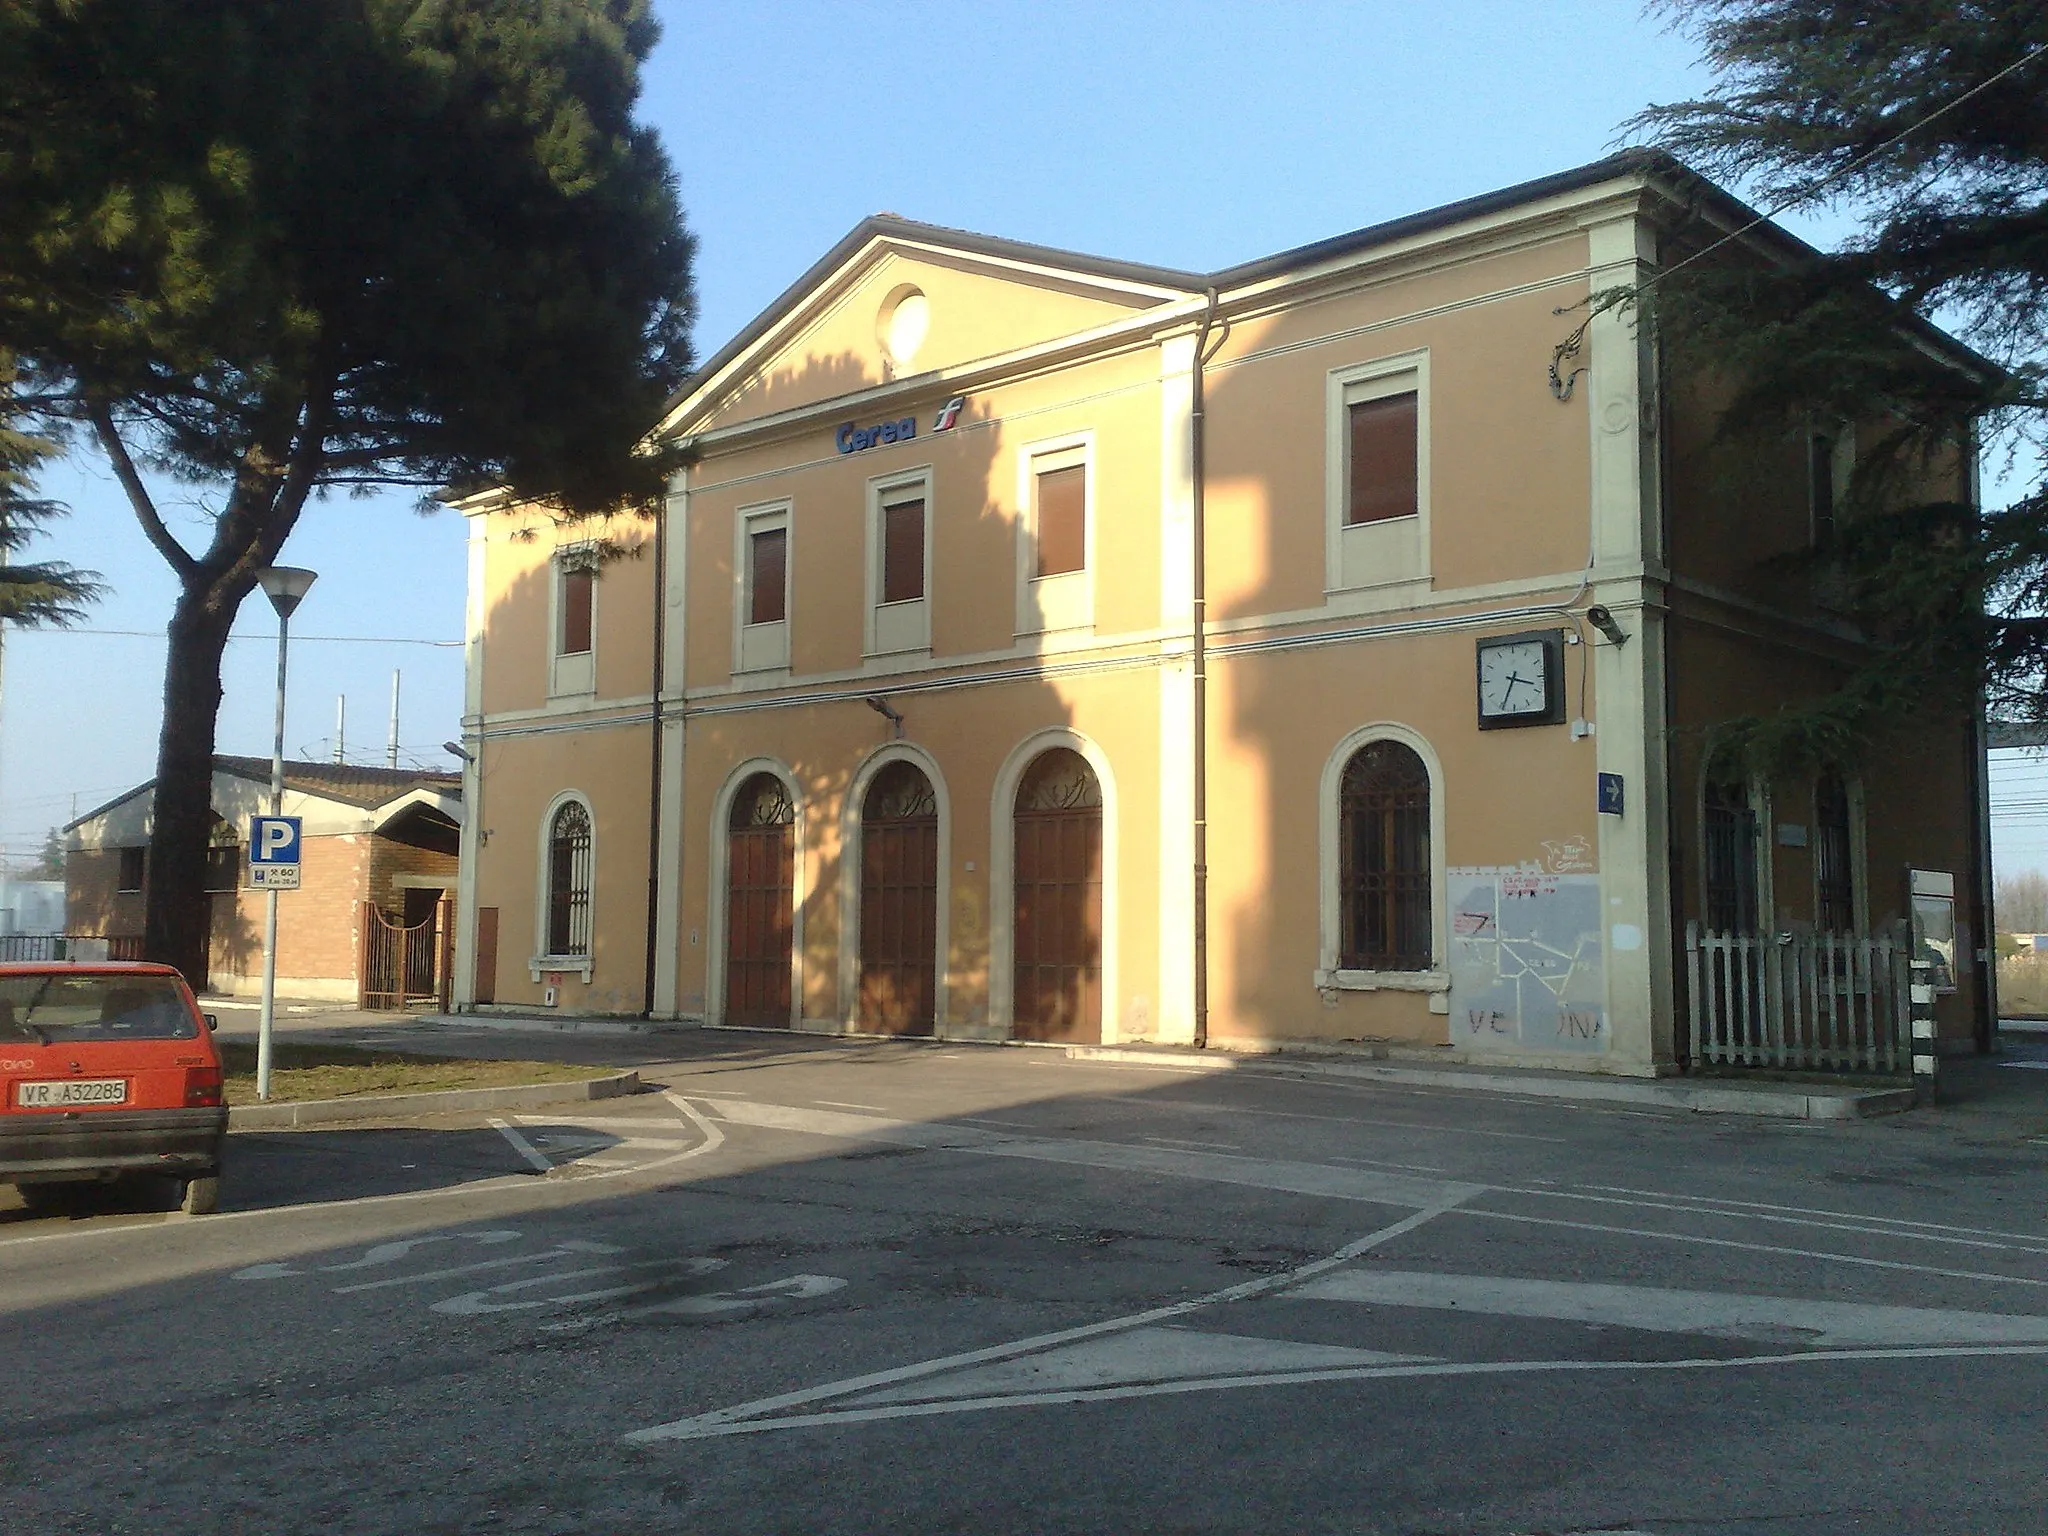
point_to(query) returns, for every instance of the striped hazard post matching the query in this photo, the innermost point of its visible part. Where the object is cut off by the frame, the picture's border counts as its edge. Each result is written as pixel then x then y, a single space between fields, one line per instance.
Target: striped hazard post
pixel 1926 1059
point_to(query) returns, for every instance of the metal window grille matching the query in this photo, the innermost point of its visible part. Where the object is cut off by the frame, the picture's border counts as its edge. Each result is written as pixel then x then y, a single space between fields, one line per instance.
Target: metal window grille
pixel 1384 875
pixel 1729 859
pixel 569 881
pixel 1835 882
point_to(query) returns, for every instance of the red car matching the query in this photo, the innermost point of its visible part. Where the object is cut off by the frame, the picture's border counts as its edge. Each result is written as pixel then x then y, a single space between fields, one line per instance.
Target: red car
pixel 107 1071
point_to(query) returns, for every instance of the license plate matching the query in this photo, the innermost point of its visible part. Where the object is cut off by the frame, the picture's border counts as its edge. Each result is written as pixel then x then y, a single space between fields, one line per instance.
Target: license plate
pixel 77 1090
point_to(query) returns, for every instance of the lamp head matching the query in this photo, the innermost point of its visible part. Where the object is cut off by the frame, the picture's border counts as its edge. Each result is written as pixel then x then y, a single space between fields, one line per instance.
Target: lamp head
pixel 285 586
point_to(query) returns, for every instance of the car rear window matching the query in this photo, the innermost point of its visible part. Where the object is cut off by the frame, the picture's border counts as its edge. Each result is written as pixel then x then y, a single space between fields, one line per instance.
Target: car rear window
pixel 57 1008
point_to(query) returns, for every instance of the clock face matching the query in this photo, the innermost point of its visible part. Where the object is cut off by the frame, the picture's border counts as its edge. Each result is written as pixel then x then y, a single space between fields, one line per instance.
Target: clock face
pixel 1514 679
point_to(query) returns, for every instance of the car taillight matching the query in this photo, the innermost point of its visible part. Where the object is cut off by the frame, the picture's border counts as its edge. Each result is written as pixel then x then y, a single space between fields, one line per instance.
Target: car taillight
pixel 202 1086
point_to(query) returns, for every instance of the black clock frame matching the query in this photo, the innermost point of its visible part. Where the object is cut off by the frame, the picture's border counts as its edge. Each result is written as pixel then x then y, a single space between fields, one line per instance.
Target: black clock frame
pixel 1552 713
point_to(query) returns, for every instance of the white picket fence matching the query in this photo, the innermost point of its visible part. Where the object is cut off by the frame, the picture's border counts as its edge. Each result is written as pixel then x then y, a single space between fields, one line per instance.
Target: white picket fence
pixel 1799 1001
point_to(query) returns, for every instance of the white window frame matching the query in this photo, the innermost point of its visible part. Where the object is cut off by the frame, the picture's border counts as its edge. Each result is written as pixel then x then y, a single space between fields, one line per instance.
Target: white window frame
pixel 890 629
pixel 583 964
pixel 571 673
pixel 1397 549
pixel 1048 604
pixel 1329 869
pixel 761 647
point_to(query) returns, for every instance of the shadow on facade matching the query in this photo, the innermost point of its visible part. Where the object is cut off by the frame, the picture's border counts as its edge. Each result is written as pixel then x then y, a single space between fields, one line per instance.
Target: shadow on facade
pixel 817 728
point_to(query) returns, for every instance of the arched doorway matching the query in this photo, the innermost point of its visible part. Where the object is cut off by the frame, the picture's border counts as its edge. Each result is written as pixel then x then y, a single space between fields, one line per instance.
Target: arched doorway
pixel 760 884
pixel 899 903
pixel 1058 912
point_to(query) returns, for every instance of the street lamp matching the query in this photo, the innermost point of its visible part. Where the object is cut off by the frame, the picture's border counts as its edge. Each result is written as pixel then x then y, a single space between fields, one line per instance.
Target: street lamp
pixel 285 586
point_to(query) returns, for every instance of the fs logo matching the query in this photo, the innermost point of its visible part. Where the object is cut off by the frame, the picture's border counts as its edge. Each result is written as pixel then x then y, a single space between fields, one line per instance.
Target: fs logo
pixel 949 413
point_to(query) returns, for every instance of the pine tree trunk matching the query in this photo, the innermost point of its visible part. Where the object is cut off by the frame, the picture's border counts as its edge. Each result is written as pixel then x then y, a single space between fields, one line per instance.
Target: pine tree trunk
pixel 177 912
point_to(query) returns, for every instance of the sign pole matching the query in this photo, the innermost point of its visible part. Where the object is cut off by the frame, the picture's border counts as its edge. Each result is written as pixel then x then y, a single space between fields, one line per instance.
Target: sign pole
pixel 285 586
pixel 268 1017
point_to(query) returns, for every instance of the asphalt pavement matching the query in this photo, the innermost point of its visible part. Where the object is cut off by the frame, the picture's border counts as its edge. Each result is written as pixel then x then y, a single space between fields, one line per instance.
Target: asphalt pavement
pixel 822 1286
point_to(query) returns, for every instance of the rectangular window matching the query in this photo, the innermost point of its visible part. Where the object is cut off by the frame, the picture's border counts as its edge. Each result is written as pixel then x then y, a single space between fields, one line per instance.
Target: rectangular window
pixel 131 870
pixel 1820 450
pixel 1062 520
pixel 1382 459
pixel 1376 519
pixel 1834 876
pixel 223 867
pixel 768 576
pixel 903 551
pixel 577 590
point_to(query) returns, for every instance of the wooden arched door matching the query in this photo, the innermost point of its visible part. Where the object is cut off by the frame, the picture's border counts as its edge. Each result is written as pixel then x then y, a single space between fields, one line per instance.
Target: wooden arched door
pixel 899 903
pixel 760 887
pixel 1058 922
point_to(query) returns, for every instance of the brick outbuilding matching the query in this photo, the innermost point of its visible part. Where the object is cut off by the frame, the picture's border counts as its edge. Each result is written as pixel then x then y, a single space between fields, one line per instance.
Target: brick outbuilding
pixel 380 840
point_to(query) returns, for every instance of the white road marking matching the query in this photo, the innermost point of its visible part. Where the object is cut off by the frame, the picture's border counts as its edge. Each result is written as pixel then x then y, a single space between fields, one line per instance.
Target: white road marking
pixel 470 1303
pixel 1767 1319
pixel 1807 1210
pixel 709 1426
pixel 1009 1125
pixel 1176 1141
pixel 879 1109
pixel 523 1147
pixel 578 1246
pixel 1198 1107
pixel 1868 1228
pixel 1142 1354
pixel 382 1253
pixel 1725 1242
pixel 707 1423
pixel 1318 1179
pixel 1373 1162
pixel 749 1298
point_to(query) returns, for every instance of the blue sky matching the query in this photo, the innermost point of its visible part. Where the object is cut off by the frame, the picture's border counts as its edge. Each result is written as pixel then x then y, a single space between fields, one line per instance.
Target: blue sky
pixel 1189 134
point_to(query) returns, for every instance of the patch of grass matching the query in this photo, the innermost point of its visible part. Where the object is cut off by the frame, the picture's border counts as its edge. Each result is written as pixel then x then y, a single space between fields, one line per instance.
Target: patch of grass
pixel 302 1071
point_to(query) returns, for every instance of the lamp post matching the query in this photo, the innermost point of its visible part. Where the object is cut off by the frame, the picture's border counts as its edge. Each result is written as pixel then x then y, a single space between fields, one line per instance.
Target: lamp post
pixel 285 586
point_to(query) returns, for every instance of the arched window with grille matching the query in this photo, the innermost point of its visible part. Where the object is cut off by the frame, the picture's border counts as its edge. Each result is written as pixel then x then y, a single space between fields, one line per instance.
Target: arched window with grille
pixel 1834 870
pixel 1384 876
pixel 568 880
pixel 1729 832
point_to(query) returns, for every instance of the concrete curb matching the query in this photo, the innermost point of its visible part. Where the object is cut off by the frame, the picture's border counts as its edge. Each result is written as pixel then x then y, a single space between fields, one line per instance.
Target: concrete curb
pixel 271 1117
pixel 515 1023
pixel 1787 1101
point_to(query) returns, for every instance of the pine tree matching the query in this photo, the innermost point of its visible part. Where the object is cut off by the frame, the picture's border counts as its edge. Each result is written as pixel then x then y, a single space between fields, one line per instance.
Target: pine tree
pixel 271 247
pixel 1926 121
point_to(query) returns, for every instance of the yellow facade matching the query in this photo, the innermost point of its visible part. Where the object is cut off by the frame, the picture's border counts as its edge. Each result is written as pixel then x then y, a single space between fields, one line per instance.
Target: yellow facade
pixel 925 380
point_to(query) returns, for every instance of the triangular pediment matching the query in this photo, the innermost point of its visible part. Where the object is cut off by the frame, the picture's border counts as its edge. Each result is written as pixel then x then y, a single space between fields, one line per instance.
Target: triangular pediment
pixel 901 303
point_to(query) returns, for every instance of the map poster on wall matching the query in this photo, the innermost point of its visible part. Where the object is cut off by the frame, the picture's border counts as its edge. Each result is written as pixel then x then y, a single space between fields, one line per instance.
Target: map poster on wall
pixel 1527 972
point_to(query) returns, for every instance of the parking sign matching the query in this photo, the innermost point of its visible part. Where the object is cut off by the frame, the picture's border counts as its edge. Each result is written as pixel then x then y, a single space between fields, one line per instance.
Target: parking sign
pixel 274 853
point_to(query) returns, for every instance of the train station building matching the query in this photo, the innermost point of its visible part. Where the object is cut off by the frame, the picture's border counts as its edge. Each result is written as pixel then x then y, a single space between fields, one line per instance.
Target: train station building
pixel 1329 648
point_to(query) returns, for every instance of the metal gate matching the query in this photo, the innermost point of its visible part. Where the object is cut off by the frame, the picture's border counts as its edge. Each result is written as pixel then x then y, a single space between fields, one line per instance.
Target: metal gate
pixel 899 903
pixel 406 966
pixel 759 896
pixel 1058 926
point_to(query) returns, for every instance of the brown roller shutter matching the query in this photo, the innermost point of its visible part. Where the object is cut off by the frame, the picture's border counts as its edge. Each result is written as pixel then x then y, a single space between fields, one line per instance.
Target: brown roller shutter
pixel 1382 460
pixel 576 592
pixel 903 551
pixel 1062 521
pixel 770 558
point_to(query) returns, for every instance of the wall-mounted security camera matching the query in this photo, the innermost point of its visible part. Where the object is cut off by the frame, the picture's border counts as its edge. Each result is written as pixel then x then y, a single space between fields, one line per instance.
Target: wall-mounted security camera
pixel 1602 620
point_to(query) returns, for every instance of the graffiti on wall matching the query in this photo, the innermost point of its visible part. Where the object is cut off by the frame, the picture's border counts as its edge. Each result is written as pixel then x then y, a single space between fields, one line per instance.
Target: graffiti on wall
pixel 1527 968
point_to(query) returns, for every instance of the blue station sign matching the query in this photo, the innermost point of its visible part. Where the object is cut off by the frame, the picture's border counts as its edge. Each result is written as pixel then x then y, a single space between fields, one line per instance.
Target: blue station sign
pixel 854 438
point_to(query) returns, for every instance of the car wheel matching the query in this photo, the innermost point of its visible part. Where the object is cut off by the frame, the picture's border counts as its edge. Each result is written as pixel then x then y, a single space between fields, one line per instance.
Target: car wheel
pixel 201 1195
